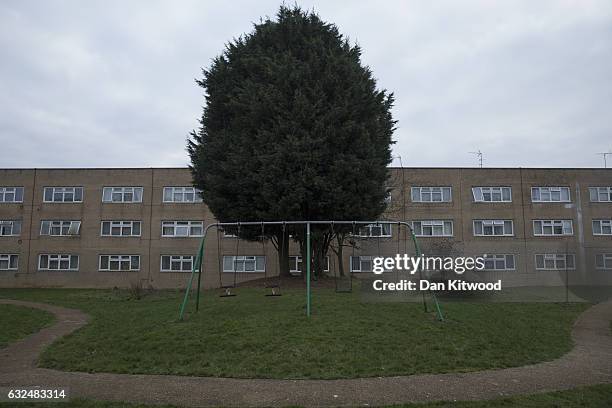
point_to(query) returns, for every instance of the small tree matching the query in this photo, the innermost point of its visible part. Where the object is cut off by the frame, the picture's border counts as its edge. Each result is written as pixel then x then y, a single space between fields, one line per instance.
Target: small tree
pixel 293 128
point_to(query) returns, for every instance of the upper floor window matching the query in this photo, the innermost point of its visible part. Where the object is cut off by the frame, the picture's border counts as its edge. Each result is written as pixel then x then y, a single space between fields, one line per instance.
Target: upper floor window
pixel 9 228
pixel 59 228
pixel 120 228
pixel 58 262
pixel 177 263
pixel 431 194
pixel 499 262
pixel 122 195
pixel 600 194
pixel 110 263
pixel 550 194
pixel 493 228
pixel 553 227
pixel 433 228
pixel 602 227
pixel 375 230
pixel 9 262
pixel 603 261
pixel 553 262
pixel 11 194
pixel 63 195
pixel 244 264
pixel 182 228
pixel 182 195
pixel 492 194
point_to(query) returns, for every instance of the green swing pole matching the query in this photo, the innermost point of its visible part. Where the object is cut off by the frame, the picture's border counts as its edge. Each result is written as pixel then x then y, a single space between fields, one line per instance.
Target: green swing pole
pixel 197 265
pixel 308 269
pixel 199 260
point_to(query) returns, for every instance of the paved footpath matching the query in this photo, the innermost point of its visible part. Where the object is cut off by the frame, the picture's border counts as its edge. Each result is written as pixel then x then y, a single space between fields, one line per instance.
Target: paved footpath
pixel 590 362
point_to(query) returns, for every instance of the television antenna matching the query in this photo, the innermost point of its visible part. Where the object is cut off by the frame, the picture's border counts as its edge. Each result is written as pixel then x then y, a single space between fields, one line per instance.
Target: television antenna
pixel 479 156
pixel 605 157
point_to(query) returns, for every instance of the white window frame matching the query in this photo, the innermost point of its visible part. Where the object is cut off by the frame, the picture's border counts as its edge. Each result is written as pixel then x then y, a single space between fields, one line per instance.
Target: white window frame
pixel 11 190
pixel 606 261
pixel 109 194
pixel 244 260
pixel 63 192
pixel 489 194
pixel 182 224
pixel 363 259
pixel 552 224
pixel 597 193
pixel 171 193
pixel 59 258
pixel 181 260
pixel 71 227
pixel 602 225
pixel 121 225
pixel 555 259
pixel 432 224
pixel 549 191
pixel 492 225
pixel 418 193
pixel 119 260
pixel 14 226
pixel 497 259
pixel 8 259
pixel 367 231
pixel 296 260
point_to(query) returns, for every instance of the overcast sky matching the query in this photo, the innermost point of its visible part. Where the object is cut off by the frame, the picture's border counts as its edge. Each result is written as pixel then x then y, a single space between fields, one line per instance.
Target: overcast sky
pixel 111 84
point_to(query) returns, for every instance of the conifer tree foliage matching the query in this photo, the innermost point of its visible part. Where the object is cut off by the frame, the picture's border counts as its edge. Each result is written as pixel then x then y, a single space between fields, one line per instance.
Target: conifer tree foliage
pixel 293 127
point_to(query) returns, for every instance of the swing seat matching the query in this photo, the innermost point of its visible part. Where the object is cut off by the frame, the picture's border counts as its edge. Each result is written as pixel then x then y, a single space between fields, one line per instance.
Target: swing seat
pixel 227 291
pixel 275 291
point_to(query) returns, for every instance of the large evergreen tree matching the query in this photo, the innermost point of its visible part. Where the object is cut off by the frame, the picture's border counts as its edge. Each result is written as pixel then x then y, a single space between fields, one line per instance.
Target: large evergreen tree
pixel 293 128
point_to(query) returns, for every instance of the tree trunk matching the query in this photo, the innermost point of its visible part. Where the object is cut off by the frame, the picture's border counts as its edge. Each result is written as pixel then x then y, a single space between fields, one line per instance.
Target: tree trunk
pixel 283 254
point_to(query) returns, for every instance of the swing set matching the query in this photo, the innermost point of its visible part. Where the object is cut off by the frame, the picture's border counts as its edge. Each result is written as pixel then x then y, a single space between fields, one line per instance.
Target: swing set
pixel 272 283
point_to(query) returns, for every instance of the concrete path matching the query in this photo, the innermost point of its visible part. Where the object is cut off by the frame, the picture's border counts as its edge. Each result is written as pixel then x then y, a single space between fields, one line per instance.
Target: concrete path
pixel 590 362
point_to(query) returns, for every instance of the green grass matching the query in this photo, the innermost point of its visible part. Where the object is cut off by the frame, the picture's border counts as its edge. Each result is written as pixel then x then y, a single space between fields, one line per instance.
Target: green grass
pixel 17 322
pixel 255 336
pixel 598 396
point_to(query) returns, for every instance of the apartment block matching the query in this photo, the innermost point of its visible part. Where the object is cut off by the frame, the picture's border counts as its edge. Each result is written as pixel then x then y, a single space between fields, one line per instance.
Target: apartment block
pixel 109 228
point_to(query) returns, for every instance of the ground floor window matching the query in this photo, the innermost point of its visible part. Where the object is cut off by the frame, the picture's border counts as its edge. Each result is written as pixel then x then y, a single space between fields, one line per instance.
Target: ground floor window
pixel 361 263
pixel 295 264
pixel 555 262
pixel 499 262
pixel 603 261
pixel 9 262
pixel 177 263
pixel 244 263
pixel 58 262
pixel 119 263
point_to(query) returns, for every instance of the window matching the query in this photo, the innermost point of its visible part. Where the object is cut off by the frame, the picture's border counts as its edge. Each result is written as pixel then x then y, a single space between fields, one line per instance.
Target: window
pixel 361 264
pixel 111 263
pixel 9 262
pixel 553 227
pixel 244 264
pixel 602 227
pixel 499 262
pixel 375 230
pixel 182 228
pixel 63 195
pixel 433 228
pixel 602 261
pixel 120 229
pixel 494 228
pixel 60 228
pixel 431 194
pixel 550 194
pixel 295 264
pixel 122 195
pixel 58 262
pixel 597 194
pixel 554 262
pixel 177 263
pixel 182 195
pixel 10 228
pixel 11 194
pixel 492 194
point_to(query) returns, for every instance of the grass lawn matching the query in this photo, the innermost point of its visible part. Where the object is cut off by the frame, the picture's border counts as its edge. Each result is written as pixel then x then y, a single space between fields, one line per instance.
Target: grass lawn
pixel 255 336
pixel 17 322
pixel 598 396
